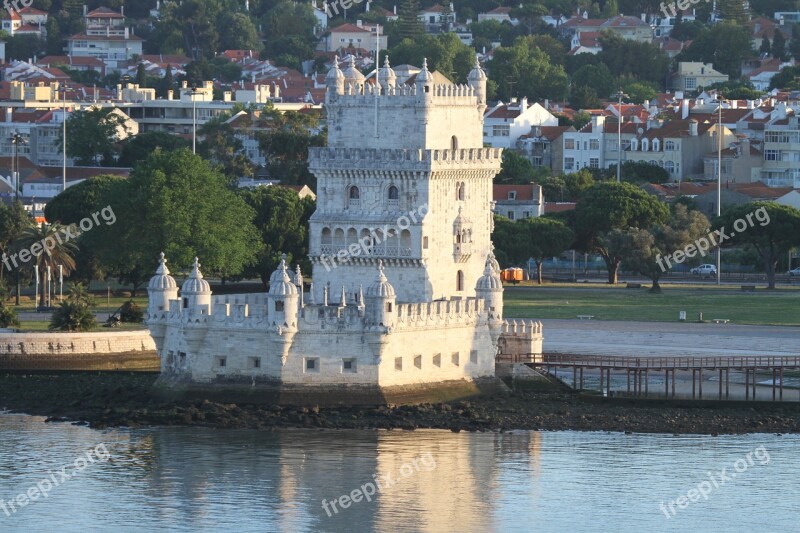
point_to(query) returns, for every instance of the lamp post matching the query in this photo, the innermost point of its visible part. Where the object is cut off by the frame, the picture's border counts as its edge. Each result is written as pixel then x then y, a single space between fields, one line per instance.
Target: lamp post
pixel 16 140
pixel 194 92
pixel 620 95
pixel 719 180
pixel 64 140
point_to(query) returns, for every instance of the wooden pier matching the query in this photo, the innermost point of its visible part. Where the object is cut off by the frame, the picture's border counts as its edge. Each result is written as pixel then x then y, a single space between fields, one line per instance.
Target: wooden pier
pixel 638 371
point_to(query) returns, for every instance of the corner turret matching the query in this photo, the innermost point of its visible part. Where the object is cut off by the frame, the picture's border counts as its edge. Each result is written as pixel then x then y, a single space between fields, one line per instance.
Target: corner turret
pixel 282 306
pixel 490 289
pixel 335 80
pixel 477 80
pixel 161 289
pixel 195 291
pixel 380 306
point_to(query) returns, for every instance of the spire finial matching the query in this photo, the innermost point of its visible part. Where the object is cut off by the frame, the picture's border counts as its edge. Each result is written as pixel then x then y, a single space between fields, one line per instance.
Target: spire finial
pixel 424 63
pixel 162 264
pixel 386 61
pixel 477 61
pixel 380 266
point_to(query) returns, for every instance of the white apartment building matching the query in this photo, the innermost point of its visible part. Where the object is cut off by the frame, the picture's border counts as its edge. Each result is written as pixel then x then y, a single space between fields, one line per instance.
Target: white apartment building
pixel 782 153
pixel 503 124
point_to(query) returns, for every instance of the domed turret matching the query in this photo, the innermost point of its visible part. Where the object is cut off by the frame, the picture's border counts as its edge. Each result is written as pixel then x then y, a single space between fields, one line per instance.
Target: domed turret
pixel 490 289
pixel 161 289
pixel 196 291
pixel 353 78
pixel 282 306
pixel 335 79
pixel 386 77
pixel 380 300
pixel 477 80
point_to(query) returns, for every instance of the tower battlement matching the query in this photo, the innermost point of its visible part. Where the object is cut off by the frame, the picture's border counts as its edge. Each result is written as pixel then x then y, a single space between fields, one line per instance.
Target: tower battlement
pixel 325 158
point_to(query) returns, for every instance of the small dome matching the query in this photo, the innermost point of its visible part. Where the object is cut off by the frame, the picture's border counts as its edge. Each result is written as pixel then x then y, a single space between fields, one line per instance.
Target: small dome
pixel 335 73
pixel 461 221
pixel 424 75
pixel 195 284
pixel 490 280
pixel 477 73
pixel 280 284
pixel 380 288
pixel 351 73
pixel 386 75
pixel 162 281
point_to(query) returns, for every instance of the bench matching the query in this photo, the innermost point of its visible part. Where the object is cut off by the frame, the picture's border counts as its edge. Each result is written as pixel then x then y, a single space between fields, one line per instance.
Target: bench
pixel 630 285
pixel 585 317
pixel 720 320
pixel 748 288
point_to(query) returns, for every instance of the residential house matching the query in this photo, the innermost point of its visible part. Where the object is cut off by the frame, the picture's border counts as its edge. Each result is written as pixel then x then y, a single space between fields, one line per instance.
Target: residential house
pixel 791 198
pixel 782 152
pixel 629 28
pixel 358 35
pixel 737 194
pixel 543 147
pixel 106 37
pixel 741 163
pixel 503 124
pixel 517 202
pixel 438 18
pixel 498 14
pixel 692 75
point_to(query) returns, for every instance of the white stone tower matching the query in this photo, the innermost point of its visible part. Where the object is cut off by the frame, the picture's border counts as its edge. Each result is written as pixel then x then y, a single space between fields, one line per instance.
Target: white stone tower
pixel 405 179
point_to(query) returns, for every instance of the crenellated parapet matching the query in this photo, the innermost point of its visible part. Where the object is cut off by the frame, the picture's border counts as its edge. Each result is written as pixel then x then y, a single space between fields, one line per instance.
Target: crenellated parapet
pixel 520 341
pixel 467 311
pixel 329 160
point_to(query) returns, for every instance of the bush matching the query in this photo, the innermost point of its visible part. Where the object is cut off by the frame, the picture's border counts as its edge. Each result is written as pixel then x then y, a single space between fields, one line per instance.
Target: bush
pixel 8 316
pixel 130 312
pixel 72 316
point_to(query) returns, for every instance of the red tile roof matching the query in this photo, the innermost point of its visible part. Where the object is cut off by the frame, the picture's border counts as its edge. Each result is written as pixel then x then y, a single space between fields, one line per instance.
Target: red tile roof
pixel 349 28
pixel 104 12
pixel 524 193
pixel 558 207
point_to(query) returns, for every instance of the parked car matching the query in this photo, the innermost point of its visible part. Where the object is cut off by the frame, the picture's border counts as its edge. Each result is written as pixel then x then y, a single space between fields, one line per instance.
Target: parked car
pixel 794 272
pixel 705 270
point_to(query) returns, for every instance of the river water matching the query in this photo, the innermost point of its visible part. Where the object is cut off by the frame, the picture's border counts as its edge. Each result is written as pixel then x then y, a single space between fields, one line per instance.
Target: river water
pixel 197 479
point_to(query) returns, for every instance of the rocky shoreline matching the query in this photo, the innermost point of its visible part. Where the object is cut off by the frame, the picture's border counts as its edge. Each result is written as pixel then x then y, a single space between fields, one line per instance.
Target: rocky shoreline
pixel 104 400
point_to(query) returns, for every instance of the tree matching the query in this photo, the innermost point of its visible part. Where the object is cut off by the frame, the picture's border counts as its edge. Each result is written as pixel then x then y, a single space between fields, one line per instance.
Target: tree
pixel 45 243
pixel 25 47
pixel 769 228
pixel 608 206
pixel 545 238
pixel 733 11
pixel 166 83
pixel 141 75
pixel 445 53
pixel 409 26
pixel 525 71
pixel 766 47
pixel 138 147
pixel 529 15
pixel 237 32
pixel 779 46
pixel 786 79
pixel 286 142
pixel 74 314
pixel 506 237
pixel 91 134
pixel 794 44
pixel 598 77
pixel 638 172
pixel 642 61
pixel 725 45
pixel 584 97
pixel 8 316
pixel 640 92
pixel 177 203
pixel 13 221
pixel 282 222
pixel 610 9
pixel 645 247
pixel 223 148
pixel 515 169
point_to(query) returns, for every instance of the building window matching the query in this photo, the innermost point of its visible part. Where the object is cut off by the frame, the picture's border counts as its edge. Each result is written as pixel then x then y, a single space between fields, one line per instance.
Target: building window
pixel 501 130
pixel 512 195
pixel 388 307
pixel 453 143
pixel 569 163
pixel 311 365
pixel 473 356
pixel 348 366
pixel 253 362
pixel 460 280
pixel 769 155
pixel 594 144
pixel 454 358
pixel 418 361
pixel 182 358
pixel 569 144
pixel 690 83
pixel 526 214
pixel 222 361
pixel 669 166
pixel 398 363
pixel 460 191
pixel 669 146
pixel 594 162
pixel 279 306
pixel 393 193
pixel 437 360
pixel 354 193
pixel 425 243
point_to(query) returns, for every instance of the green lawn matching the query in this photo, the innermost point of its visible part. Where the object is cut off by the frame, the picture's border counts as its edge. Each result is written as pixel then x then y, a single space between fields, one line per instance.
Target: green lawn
pixel 779 307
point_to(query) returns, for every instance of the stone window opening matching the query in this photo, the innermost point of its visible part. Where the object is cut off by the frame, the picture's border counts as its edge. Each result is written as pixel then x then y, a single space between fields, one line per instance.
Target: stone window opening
pixel 460 280
pixel 454 143
pixel 222 361
pixel 418 361
pixel 349 366
pixel 398 363
pixel 279 306
pixel 311 365
pixel 455 359
pixel 437 360
pixel 394 194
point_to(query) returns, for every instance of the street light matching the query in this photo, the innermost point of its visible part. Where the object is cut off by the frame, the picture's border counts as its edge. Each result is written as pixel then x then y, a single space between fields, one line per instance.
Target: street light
pixel 719 179
pixel 194 92
pixel 64 140
pixel 620 95
pixel 16 140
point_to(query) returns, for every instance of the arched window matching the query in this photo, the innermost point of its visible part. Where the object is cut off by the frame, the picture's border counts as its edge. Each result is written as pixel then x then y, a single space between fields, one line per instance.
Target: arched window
pixel 460 191
pixel 338 238
pixel 669 166
pixel 393 193
pixel 460 280
pixel 454 143
pixel 326 236
pixel 354 194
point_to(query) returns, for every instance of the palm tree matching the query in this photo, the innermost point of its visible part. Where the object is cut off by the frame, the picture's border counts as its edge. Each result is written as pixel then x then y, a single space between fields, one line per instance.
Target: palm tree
pixel 56 249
